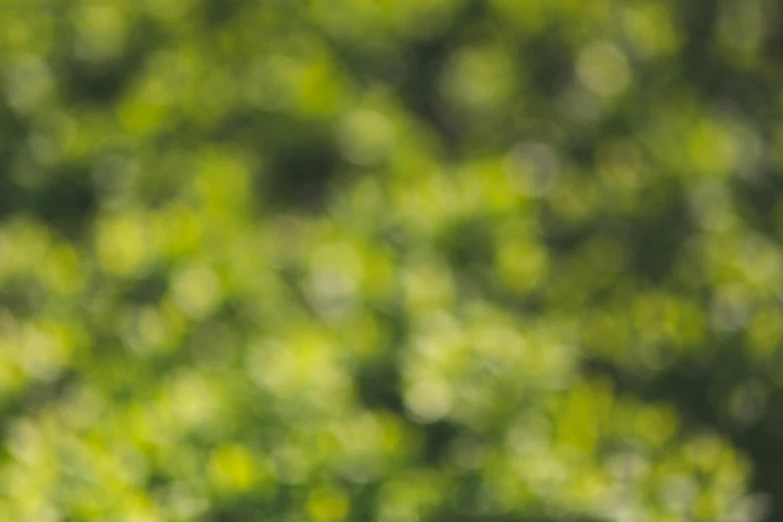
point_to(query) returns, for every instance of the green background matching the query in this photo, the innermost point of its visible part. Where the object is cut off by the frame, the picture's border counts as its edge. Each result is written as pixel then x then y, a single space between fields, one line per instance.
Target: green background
pixel 393 260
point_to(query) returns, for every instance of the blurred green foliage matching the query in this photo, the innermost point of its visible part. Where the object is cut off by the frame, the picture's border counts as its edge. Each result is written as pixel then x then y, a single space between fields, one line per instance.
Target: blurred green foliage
pixel 393 260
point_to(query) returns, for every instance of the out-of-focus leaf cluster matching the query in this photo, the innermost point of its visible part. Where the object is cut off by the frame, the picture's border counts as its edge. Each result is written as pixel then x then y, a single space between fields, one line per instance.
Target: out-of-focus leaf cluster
pixel 394 260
